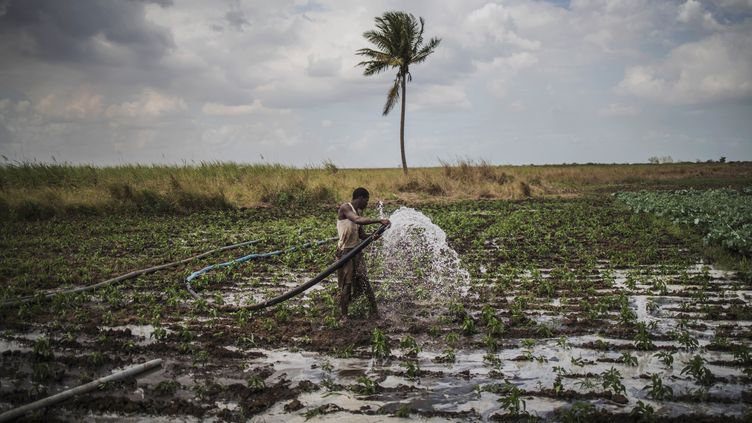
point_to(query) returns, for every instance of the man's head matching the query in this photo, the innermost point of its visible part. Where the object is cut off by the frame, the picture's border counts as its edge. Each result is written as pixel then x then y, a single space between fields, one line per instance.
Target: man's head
pixel 360 198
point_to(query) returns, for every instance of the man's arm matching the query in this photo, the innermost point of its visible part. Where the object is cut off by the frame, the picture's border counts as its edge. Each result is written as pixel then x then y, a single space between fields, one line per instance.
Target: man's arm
pixel 360 220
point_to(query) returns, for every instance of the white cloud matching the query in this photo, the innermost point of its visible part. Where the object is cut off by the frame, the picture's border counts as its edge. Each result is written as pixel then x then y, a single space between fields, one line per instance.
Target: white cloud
pixel 693 12
pixel 437 98
pixel 618 109
pixel 323 66
pixel 735 4
pixel 216 109
pixel 280 78
pixel 714 69
pixel 79 105
pixel 495 24
pixel 502 70
pixel 149 104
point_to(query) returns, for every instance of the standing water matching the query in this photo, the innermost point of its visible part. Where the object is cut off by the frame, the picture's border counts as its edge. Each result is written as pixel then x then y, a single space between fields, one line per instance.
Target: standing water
pixel 414 261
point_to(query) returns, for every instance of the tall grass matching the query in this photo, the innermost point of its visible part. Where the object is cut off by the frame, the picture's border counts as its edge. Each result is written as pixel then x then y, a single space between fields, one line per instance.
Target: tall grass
pixel 39 190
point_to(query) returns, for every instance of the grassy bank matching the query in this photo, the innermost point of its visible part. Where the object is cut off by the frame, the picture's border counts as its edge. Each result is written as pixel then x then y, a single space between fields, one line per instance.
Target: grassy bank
pixel 35 190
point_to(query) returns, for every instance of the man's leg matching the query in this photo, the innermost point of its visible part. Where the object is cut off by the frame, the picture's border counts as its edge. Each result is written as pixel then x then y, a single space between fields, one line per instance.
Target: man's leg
pixel 344 283
pixel 361 279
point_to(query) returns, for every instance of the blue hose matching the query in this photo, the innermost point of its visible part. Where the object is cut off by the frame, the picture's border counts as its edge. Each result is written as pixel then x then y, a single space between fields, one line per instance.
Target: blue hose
pixel 244 259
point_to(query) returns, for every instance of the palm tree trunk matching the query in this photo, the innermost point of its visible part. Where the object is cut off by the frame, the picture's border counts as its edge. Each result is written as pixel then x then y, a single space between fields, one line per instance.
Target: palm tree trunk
pixel 402 127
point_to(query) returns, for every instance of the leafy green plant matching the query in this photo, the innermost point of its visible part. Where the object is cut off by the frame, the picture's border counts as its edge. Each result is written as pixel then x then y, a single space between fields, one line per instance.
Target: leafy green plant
pixel 412 369
pixel 722 214
pixel 642 339
pixel 159 333
pixel 696 368
pixel 366 386
pixel 43 349
pixel 686 340
pixel 657 390
pixel 409 346
pixel 643 412
pixel 448 356
pixel 380 345
pixel 666 357
pixel 96 358
pixel 347 351
pixel 558 381
pixel 403 411
pixel 628 359
pixel 494 327
pixel 468 326
pixel 579 412
pixel 611 379
pixel 452 338
pixel 256 383
pixel 512 400
pixel 167 387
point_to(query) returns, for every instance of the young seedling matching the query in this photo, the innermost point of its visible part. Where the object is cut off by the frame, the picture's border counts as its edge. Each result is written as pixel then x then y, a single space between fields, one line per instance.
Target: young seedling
pixel 657 390
pixel 452 337
pixel 643 412
pixel 487 313
pixel 579 412
pixel 512 401
pixel 686 340
pixel 366 386
pixel 380 345
pixel 563 343
pixel 642 339
pixel 448 356
pixel 494 327
pixel 43 349
pixel 412 369
pixel 409 346
pixel 611 379
pixel 666 357
pixel 558 383
pixel 628 359
pixel 696 368
pixel 468 326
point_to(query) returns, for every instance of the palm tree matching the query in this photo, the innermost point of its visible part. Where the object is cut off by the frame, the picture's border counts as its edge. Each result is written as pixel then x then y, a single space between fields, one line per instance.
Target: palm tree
pixel 399 43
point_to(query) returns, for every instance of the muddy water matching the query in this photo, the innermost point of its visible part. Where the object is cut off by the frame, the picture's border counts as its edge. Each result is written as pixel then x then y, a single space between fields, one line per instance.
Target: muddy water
pixel 327 386
pixel 455 389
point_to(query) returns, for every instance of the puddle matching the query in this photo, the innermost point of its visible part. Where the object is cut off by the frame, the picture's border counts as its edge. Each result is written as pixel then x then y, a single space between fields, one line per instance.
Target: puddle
pixel 452 387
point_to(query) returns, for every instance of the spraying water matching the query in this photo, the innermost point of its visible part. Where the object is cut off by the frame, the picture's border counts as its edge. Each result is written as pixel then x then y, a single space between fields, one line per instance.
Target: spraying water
pixel 414 260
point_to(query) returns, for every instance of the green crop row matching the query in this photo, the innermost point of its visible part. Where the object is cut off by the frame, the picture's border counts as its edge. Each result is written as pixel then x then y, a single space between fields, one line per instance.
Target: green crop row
pixel 724 216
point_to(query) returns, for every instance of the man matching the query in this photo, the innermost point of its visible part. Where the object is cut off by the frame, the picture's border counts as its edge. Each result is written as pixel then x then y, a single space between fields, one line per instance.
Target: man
pixel 352 278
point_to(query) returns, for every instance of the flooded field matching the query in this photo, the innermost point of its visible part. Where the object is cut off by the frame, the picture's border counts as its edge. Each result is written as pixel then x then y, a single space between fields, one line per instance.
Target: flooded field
pixel 575 310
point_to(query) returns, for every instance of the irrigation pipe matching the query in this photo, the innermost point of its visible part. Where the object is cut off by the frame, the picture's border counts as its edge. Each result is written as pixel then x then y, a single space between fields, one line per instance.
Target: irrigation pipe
pixel 62 396
pixel 328 271
pixel 243 259
pixel 126 276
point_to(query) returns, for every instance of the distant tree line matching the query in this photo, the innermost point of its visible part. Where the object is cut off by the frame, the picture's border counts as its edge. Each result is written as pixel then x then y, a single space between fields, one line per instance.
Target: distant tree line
pixel 669 159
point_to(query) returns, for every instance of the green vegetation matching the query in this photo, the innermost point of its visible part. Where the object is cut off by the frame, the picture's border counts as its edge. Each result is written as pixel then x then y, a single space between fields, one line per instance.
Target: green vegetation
pixel 36 191
pixel 544 272
pixel 723 215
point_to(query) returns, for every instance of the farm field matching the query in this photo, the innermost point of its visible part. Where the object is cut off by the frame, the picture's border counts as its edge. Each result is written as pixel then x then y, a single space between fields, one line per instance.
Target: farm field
pixel 575 309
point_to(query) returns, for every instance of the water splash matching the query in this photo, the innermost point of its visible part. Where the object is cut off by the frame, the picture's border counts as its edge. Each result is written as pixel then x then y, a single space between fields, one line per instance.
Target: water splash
pixel 414 260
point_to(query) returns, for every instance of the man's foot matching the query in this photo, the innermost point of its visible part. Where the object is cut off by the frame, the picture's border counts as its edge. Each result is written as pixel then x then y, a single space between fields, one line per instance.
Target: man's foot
pixel 343 320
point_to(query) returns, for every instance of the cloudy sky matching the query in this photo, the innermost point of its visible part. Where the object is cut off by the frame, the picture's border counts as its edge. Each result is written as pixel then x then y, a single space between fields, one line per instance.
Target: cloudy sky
pixel 513 81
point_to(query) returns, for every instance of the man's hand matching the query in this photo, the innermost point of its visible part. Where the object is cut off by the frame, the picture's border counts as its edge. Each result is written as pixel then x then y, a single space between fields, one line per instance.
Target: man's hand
pixel 384 222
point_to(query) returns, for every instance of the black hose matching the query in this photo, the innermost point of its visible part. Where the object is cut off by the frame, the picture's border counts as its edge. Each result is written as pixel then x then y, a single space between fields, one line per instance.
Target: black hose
pixel 304 287
pixel 130 275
